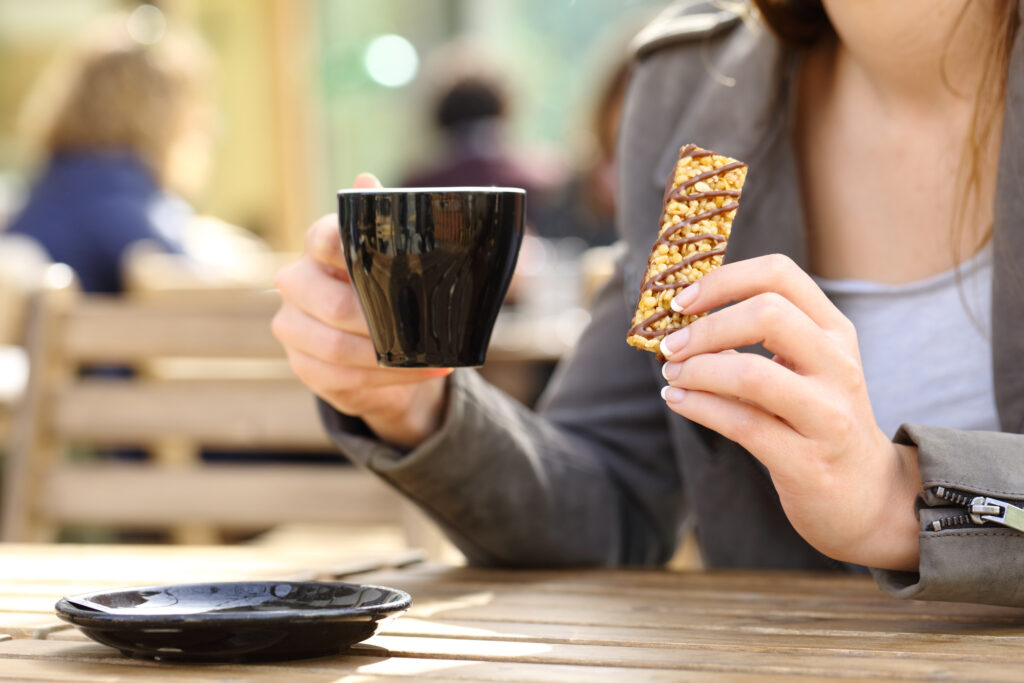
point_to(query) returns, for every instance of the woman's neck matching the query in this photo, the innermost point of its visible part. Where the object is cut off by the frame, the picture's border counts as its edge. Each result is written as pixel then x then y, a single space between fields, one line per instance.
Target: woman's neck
pixel 915 54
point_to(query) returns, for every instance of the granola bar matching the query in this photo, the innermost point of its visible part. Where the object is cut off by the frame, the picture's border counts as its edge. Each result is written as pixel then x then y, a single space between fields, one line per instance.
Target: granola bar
pixel 700 202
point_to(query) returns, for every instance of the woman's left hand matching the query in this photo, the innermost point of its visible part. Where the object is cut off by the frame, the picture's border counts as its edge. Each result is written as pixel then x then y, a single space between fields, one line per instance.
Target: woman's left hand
pixel 805 414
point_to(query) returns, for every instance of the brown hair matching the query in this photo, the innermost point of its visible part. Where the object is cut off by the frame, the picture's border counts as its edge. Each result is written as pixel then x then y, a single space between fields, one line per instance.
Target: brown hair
pixel 113 92
pixel 604 120
pixel 802 22
pixel 985 118
pixel 798 22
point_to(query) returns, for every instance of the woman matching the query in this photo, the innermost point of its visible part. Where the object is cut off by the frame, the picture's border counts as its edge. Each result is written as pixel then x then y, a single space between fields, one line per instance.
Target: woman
pixel 872 155
pixel 122 126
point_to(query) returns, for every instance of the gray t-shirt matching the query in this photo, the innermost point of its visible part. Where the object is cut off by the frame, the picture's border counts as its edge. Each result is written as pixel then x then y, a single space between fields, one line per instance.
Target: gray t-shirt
pixel 925 346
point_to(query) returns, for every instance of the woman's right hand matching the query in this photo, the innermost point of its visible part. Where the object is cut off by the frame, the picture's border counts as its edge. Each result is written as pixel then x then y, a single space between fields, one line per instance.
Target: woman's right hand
pixel 323 330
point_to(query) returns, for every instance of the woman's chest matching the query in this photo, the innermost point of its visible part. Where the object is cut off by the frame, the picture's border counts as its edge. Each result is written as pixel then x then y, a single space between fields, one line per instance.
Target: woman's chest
pixel 882 204
pixel 889 191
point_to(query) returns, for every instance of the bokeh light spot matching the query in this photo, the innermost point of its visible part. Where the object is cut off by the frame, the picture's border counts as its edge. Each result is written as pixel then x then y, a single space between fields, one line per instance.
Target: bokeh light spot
pixel 147 24
pixel 391 60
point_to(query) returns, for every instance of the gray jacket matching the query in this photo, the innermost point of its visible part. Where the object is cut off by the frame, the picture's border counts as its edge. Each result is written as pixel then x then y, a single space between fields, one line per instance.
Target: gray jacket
pixel 603 472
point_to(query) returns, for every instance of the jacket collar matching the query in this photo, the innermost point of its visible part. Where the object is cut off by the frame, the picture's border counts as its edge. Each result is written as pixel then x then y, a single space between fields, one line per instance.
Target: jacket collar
pixel 1008 243
pixel 736 104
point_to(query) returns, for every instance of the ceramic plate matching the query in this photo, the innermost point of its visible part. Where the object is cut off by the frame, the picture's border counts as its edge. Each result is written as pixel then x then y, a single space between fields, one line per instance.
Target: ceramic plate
pixel 249 620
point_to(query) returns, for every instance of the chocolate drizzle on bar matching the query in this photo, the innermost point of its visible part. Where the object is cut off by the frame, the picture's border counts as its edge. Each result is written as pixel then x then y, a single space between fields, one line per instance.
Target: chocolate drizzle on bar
pixel 657 283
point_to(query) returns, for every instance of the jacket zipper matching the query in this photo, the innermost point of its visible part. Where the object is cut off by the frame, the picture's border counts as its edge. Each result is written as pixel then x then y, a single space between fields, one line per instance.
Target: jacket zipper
pixel 979 510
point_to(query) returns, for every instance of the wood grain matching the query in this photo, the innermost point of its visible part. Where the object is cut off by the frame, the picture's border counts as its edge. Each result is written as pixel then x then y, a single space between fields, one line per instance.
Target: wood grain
pixel 62 661
pixel 472 624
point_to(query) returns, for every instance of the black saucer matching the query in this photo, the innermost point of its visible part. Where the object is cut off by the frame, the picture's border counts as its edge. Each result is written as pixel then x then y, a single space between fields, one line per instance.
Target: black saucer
pixel 238 621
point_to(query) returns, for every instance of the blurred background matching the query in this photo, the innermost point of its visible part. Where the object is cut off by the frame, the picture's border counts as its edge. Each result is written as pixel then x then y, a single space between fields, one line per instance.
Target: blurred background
pixel 160 162
pixel 306 93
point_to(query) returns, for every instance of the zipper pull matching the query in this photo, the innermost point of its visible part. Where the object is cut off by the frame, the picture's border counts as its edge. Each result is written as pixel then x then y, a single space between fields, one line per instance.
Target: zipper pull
pixel 979 510
pixel 984 509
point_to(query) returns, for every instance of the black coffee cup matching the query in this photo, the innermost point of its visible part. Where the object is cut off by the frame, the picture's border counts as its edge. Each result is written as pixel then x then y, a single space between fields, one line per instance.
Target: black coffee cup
pixel 431 268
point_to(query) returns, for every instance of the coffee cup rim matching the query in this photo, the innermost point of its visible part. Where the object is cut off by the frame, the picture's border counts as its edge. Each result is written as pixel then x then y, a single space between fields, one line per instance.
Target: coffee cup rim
pixel 431 190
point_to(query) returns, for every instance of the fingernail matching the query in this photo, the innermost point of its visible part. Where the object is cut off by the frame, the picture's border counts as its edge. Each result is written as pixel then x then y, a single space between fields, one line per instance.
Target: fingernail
pixel 672 394
pixel 670 370
pixel 674 342
pixel 684 298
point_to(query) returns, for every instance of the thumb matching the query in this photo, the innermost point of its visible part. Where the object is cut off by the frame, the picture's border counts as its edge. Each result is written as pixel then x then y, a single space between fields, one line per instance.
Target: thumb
pixel 366 181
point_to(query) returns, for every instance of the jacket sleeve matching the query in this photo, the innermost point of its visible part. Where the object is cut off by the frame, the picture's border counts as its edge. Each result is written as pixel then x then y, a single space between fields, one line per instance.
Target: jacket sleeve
pixel 588 479
pixel 962 560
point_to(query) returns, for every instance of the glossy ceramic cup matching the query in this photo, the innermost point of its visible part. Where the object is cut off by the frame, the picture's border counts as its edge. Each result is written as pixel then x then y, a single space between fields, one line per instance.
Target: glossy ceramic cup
pixel 431 268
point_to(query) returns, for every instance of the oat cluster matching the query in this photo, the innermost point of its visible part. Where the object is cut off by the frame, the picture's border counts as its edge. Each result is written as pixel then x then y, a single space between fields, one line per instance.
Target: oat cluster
pixel 699 207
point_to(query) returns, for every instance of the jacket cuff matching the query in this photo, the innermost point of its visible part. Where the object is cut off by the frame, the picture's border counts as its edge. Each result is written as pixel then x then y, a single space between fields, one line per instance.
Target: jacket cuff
pixel 966 563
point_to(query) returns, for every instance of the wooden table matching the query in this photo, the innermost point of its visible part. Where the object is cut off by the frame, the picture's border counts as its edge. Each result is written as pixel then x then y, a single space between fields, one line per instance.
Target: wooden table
pixel 491 625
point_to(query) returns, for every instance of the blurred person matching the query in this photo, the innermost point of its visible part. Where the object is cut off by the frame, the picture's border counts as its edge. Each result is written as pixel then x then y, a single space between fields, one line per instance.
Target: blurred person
pixel 123 130
pixel 471 107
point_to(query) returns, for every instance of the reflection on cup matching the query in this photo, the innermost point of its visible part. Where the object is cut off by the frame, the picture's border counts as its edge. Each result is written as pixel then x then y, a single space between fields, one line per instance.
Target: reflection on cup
pixel 431 268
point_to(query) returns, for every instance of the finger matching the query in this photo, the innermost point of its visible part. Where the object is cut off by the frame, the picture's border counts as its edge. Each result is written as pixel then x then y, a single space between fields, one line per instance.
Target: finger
pixel 754 379
pixel 366 181
pixel 342 387
pixel 768 319
pixel 321 296
pixel 764 435
pixel 351 355
pixel 323 244
pixel 323 239
pixel 771 273
pixel 300 331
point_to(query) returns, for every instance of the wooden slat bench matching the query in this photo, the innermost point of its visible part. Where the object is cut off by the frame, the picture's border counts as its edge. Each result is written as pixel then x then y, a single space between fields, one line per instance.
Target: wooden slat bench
pixel 208 374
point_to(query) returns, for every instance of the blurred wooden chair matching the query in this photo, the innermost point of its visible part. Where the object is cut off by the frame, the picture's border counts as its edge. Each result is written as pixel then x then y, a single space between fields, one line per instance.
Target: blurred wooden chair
pixel 208 374
pixel 23 264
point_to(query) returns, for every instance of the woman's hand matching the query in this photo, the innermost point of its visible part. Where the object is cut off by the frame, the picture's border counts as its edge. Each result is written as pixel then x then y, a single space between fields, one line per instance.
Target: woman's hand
pixel 846 488
pixel 323 330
